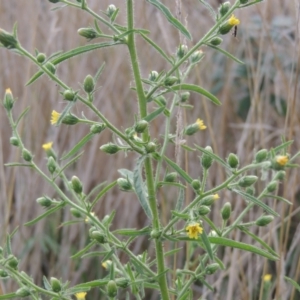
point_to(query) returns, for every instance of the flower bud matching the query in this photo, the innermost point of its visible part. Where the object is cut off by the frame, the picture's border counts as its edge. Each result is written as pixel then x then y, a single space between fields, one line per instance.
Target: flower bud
pixel 209 200
pixel 54 1
pixel 162 100
pixel 26 155
pixel 122 282
pixel 150 147
pixel 76 185
pixel 69 95
pixel 155 234
pixel 70 119
pixel 8 101
pixel 203 210
pixel 261 155
pixel 88 84
pixel 89 33
pixel 216 41
pixel 98 236
pixel 55 284
pixel 76 213
pixel 197 56
pixel 41 57
pixel 22 292
pixel 264 220
pixel 12 261
pixel 169 81
pixel 193 128
pixel 51 165
pixel 207 160
pixel 247 181
pixel 153 75
pixel 97 128
pixel 112 289
pixel 8 40
pixel 141 126
pixel 50 67
pixel 233 161
pixel 279 162
pixel 212 268
pixel 250 190
pixel 44 201
pixel 280 175
pixel 170 177
pixel 184 96
pixel 181 51
pixel 14 141
pixel 229 24
pixel 226 211
pixel 196 184
pixel 3 274
pixel 224 8
pixel 243 1
pixel 110 148
pixel 110 10
pixel 124 184
pixel 272 186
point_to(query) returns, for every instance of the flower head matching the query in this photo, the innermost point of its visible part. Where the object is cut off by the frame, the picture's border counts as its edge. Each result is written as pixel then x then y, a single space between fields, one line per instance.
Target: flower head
pixel 216 196
pixel 233 21
pixel 54 117
pixel 80 296
pixel 193 230
pixel 47 146
pixel 8 91
pixel 200 124
pixel 282 160
pixel 267 278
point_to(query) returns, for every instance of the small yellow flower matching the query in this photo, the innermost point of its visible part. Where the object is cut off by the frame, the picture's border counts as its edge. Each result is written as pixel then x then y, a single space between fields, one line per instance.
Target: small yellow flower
pixel 282 160
pixel 87 219
pixel 200 124
pixel 8 91
pixel 267 278
pixel 233 21
pixel 47 146
pixel 106 264
pixel 193 230
pixel 216 196
pixel 54 117
pixel 80 296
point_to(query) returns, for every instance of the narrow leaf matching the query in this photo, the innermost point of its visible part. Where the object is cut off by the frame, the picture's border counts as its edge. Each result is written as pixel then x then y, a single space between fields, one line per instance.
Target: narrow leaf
pixel 154 114
pixel 47 285
pixel 103 192
pixel 133 232
pixel 15 164
pixel 226 53
pixel 8 296
pixel 180 200
pixel 179 215
pixel 280 199
pixel 294 283
pixel 68 164
pixel 108 255
pixel 180 171
pixel 85 249
pixel 282 146
pixel 207 245
pixel 211 224
pixel 99 72
pixel 65 112
pixel 92 284
pixel 25 111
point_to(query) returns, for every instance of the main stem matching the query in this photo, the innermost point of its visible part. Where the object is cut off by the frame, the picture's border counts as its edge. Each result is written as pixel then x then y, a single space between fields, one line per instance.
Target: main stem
pixel 162 281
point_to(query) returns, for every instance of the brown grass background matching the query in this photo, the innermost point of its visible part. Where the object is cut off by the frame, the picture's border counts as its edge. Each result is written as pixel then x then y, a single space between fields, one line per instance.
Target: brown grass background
pixel 260 104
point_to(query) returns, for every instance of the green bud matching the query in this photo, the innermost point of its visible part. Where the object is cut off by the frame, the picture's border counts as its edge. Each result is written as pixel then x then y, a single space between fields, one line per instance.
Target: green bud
pixel 51 165
pixel 26 155
pixel 264 220
pixel 216 41
pixel 14 141
pixel 124 184
pixel 184 96
pixel 224 8
pixel 110 148
pixel 8 40
pixel 170 177
pixel 162 100
pixel 98 236
pixel 182 50
pixel 54 1
pixel 191 129
pixel 153 75
pixel 97 128
pixel 247 181
pixel 203 210
pixel 280 175
pixel 196 184
pixel 261 155
pixel 207 160
pixel 112 289
pixel 209 200
pixel 12 261
pixel 141 126
pixel 197 56
pixel 69 95
pixel 76 185
pixel 226 211
pixel 212 268
pixel 88 84
pixel 50 67
pixel 155 234
pixel 250 190
pixel 110 10
pixel 70 119
pixel 122 282
pixel 23 292
pixel 169 81
pixel 44 201
pixel 41 57
pixel 55 284
pixel 8 101
pixel 89 33
pixel 3 274
pixel 279 162
pixel 233 161
pixel 76 213
pixel 243 1
pixel 272 186
pixel 150 147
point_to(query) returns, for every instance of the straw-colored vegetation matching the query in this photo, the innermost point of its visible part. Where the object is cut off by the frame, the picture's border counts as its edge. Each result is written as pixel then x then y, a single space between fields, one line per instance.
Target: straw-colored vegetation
pixel 260 103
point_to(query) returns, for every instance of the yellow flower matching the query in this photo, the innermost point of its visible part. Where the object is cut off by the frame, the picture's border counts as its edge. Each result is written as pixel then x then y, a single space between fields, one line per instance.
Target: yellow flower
pixel 200 124
pixel 106 264
pixel 80 296
pixel 47 146
pixel 233 21
pixel 193 230
pixel 282 160
pixel 267 278
pixel 8 91
pixel 216 196
pixel 54 117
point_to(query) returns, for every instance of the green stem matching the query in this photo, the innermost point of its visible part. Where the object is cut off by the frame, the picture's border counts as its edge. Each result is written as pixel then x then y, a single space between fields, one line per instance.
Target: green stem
pixel 162 281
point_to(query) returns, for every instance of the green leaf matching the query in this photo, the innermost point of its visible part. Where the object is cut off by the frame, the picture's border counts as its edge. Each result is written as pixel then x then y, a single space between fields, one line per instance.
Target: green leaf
pixel 94 190
pixel 211 224
pixel 108 255
pixel 99 72
pixel 219 262
pixel 133 232
pixel 226 53
pixel 181 172
pixel 103 192
pixel 279 198
pixel 140 187
pixel 72 53
pixel 25 111
pixel 180 200
pixel 47 285
pixel 141 31
pixel 185 147
pixel 8 296
pixel 257 202
pixel 15 164
pixel 78 146
pixel 179 215
pixel 172 252
pixel 161 183
pixel 238 245
pixel 75 290
pixel 282 146
pixel 114 15
pixel 91 284
pixel 82 251
pixel 171 18
pixel 207 245
pixel 94 253
pixel 47 213
pixel 8 245
pixel 154 114
pixel 109 220
pixel 197 89
pixel 294 283
pixel 157 48
pixel 126 174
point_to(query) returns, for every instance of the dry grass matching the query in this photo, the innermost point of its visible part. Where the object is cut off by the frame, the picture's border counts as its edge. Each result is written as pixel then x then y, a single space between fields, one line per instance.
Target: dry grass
pixel 259 106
